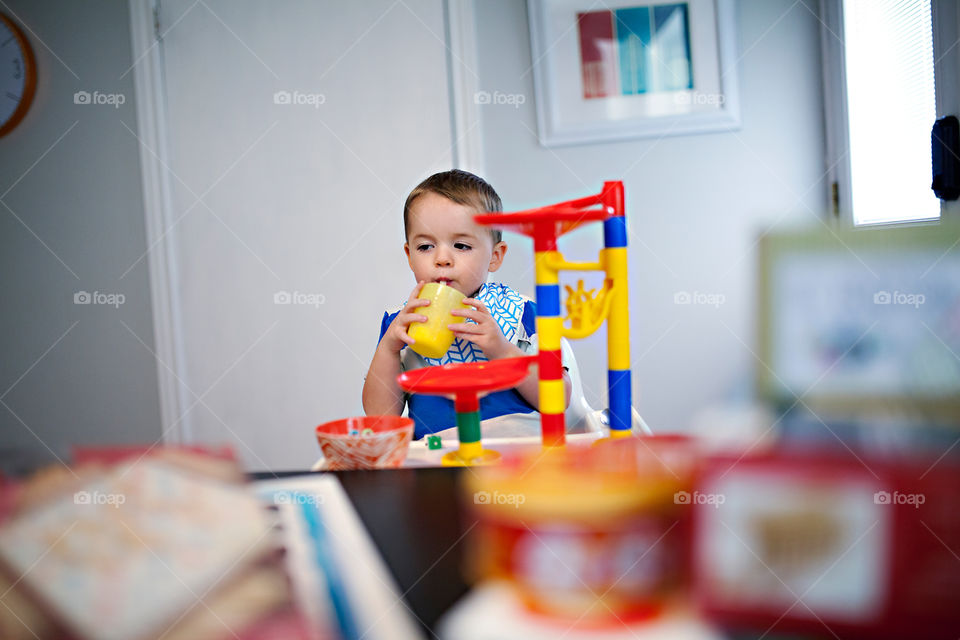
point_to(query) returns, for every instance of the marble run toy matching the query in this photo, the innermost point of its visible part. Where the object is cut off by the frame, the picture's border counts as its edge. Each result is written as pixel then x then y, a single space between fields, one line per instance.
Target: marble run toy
pixel 466 383
pixel 586 310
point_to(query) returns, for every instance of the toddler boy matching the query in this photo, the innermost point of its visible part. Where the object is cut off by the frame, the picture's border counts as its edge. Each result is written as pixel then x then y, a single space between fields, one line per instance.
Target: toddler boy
pixel 444 244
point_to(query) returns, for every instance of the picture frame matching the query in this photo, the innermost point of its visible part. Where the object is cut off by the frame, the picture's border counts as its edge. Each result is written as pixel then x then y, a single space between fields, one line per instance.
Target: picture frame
pixel 633 69
pixel 857 322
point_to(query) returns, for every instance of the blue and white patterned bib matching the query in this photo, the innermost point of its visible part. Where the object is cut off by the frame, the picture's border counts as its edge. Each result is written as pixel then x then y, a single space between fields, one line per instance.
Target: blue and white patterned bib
pixel 506 307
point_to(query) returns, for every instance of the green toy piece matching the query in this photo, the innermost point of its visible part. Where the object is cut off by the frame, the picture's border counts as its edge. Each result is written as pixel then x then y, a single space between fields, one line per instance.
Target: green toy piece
pixel 433 442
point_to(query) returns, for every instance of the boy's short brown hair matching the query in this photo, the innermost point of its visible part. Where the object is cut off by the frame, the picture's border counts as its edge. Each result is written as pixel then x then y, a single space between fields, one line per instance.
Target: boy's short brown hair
pixel 461 187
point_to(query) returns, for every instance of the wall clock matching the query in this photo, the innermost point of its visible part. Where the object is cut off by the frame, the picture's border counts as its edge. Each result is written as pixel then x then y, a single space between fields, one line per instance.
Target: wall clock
pixel 18 75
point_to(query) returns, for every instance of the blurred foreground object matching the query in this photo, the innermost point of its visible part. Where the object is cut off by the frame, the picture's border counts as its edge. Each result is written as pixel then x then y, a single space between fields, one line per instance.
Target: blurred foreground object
pixel 655 538
pixel 143 543
pixel 588 535
pixel 849 546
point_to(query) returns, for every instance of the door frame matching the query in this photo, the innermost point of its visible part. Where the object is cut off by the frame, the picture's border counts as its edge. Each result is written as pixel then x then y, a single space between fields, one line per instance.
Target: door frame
pixel 159 217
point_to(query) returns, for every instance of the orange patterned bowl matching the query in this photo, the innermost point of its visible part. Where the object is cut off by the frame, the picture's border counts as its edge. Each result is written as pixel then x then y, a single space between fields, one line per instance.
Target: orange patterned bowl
pixel 367 442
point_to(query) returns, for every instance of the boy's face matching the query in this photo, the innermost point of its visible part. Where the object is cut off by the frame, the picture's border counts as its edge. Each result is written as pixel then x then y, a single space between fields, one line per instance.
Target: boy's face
pixel 445 245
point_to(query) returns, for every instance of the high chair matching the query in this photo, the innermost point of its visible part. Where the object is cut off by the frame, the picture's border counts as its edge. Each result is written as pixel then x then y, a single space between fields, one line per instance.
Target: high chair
pixel 580 417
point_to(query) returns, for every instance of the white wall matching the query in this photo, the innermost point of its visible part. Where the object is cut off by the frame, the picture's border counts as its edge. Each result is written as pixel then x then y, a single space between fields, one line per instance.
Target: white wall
pixel 73 221
pixel 695 203
pixel 294 198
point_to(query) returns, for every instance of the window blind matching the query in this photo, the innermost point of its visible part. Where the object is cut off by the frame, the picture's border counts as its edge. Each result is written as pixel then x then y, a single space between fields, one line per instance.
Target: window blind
pixel 891 104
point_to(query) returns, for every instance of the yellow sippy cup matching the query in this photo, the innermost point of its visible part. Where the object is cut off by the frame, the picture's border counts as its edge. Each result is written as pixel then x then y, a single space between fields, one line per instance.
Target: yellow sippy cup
pixel 433 338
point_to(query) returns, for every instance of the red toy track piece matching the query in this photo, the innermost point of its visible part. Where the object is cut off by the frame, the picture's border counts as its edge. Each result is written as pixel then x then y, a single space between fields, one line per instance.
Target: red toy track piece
pixel 475 377
pixel 466 383
pixel 544 222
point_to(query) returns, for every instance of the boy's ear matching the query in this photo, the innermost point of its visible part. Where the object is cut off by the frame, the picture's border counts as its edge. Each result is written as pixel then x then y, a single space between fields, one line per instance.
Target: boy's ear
pixel 499 251
pixel 406 250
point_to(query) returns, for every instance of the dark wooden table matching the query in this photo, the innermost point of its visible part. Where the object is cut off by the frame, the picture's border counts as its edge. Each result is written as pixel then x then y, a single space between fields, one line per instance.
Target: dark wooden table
pixel 418 522
pixel 415 520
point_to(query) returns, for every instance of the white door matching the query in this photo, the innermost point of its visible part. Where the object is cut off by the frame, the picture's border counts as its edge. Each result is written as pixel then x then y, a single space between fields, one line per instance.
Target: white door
pixel 296 129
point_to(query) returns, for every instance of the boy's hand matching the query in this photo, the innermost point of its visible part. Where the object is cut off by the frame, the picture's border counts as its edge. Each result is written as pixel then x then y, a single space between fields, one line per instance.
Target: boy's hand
pixel 485 334
pixel 396 338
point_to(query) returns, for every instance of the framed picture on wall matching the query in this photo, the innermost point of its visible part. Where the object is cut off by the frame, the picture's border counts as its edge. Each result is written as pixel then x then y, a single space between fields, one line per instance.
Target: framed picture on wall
pixel 862 322
pixel 633 69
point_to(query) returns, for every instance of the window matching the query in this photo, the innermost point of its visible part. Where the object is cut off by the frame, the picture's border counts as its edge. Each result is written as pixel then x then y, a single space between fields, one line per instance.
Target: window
pixel 881 104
